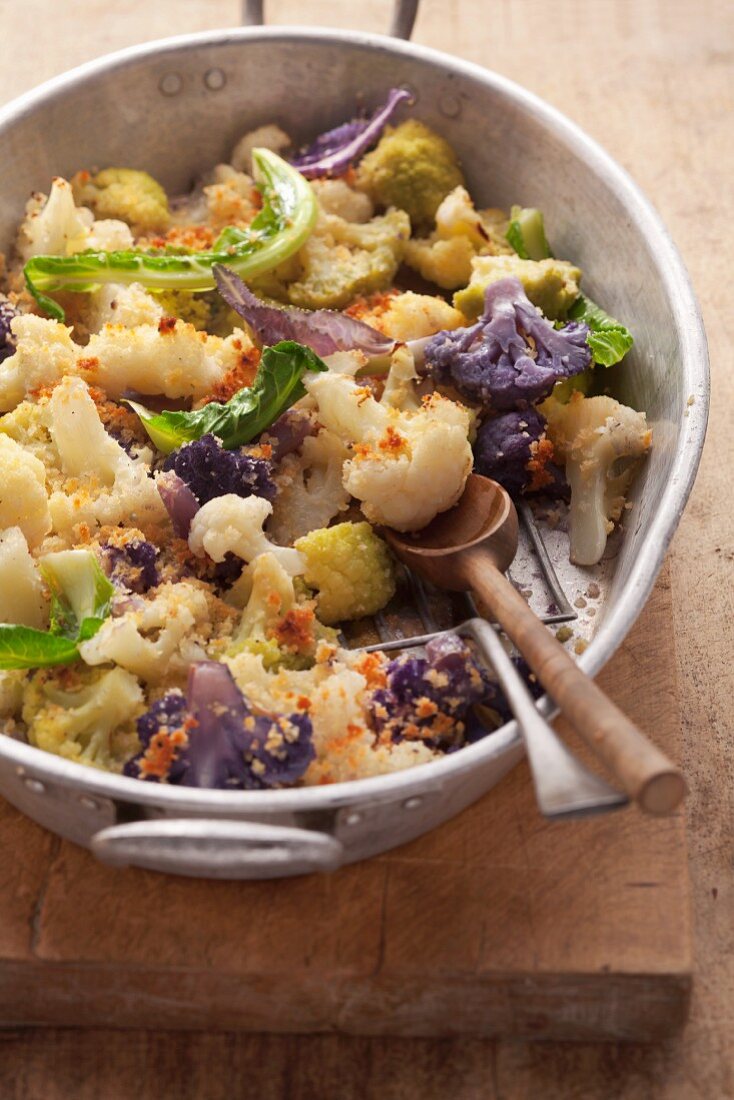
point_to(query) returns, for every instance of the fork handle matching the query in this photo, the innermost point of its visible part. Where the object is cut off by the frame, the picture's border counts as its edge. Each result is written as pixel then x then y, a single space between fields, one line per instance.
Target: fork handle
pixel 646 774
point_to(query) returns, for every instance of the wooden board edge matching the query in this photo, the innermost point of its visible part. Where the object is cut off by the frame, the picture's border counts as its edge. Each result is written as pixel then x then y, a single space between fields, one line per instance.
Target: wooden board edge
pixel 564 1007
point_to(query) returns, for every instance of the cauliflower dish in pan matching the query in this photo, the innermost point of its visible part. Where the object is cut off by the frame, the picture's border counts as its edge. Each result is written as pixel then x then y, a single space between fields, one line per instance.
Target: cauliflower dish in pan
pixel 211 406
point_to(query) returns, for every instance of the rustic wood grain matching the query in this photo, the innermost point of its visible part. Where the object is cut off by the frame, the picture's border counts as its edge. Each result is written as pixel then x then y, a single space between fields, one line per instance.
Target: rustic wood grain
pixel 654 82
pixel 499 923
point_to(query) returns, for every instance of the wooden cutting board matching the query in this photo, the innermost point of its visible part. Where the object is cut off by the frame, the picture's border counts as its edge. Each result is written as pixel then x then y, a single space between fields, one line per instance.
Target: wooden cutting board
pixel 496 924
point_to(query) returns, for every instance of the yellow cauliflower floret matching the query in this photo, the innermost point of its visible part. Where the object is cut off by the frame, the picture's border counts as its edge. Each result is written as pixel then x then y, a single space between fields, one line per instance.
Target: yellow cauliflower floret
pixel 445 258
pixel 412 168
pixel 411 316
pixel 342 259
pixel 12 685
pixel 447 263
pixel 126 194
pixel 552 285
pixel 351 568
pixel 23 497
pixel 91 722
pixel 27 425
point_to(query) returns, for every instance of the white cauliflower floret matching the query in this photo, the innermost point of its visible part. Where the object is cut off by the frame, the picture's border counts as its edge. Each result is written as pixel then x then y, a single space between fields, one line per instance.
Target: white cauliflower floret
pixel 337 197
pixel 310 489
pixel 155 640
pixel 591 434
pixel 44 353
pixel 54 226
pixel 342 736
pixel 117 304
pixel 21 591
pixel 399 391
pixel 264 137
pixel 23 497
pixel 83 723
pixel 407 465
pixel 230 198
pixel 114 488
pixel 234 525
pixel 84 445
pixel 110 235
pixel 176 362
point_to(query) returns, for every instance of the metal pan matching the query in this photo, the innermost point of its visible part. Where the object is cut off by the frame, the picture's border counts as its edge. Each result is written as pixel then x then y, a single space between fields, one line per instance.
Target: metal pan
pixel 175 107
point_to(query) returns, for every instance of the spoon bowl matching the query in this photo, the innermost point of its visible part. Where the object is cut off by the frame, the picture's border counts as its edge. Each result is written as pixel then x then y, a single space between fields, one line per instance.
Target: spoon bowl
pixel 484 518
pixel 470 547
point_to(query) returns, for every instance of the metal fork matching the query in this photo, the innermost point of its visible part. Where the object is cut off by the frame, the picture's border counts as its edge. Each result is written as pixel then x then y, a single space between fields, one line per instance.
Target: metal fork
pixel 564 787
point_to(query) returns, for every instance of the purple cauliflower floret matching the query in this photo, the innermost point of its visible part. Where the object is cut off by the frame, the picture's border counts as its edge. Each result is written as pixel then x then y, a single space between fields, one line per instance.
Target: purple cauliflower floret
pixel 211 471
pixel 513 449
pixel 7 313
pixel 211 738
pixel 512 357
pixel 333 152
pixel 430 697
pixel 132 566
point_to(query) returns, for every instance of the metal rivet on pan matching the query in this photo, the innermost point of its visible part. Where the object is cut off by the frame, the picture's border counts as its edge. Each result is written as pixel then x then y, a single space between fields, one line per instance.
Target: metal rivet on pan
pixel 449 105
pixel 35 785
pixel 412 803
pixel 89 803
pixel 353 818
pixel 170 84
pixel 409 88
pixel 215 79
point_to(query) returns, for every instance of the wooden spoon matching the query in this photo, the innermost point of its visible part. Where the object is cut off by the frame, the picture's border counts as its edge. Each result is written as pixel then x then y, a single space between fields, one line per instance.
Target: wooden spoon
pixel 470 547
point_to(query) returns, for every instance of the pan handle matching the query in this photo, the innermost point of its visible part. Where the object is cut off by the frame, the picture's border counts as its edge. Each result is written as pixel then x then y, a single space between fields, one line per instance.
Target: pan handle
pixel 203 848
pixel 403 16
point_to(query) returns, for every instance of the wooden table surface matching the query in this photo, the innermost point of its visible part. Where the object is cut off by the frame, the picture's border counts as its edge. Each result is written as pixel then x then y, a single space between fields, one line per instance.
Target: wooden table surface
pixel 653 81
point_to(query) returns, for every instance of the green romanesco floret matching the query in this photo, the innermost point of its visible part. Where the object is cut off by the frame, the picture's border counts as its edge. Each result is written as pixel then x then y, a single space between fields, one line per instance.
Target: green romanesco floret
pixel 351 568
pixel 342 260
pixel 278 623
pixel 84 715
pixel 187 306
pixel 126 194
pixel 207 311
pixel 552 285
pixel 412 168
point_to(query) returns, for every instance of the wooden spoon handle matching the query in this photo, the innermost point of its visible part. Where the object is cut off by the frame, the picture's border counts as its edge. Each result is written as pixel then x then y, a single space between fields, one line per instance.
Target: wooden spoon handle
pixel 644 771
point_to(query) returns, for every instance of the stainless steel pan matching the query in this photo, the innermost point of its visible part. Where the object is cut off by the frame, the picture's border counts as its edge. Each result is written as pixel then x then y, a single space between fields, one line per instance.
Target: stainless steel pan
pixel 175 107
